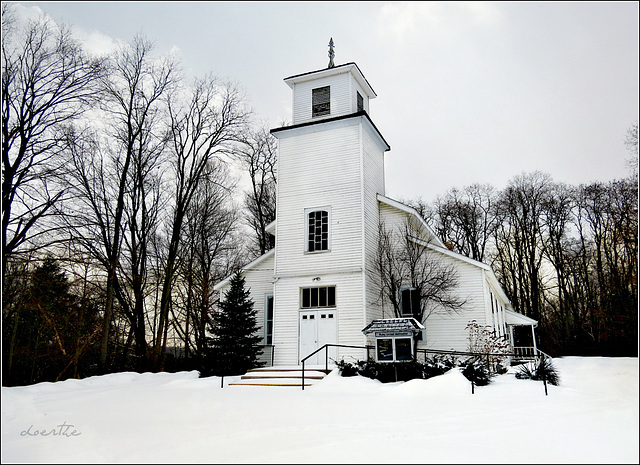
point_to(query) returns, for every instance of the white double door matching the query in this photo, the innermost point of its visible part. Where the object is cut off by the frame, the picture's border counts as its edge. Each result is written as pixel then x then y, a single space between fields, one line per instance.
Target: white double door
pixel 317 328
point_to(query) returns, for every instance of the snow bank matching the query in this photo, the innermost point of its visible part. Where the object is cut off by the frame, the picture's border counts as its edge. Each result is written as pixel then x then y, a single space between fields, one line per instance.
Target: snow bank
pixel 592 417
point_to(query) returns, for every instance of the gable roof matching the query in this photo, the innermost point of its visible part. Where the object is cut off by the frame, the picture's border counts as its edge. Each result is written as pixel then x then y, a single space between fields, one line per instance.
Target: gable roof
pixel 254 263
pixel 412 211
pixel 438 246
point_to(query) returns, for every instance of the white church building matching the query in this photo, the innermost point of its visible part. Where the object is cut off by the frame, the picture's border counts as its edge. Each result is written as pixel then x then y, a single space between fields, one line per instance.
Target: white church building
pixel 320 284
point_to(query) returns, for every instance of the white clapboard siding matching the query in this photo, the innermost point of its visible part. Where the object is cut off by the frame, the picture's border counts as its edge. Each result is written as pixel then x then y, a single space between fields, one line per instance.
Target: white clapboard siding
pixel 322 169
pixel 339 98
pixel 287 307
pixel 344 89
pixel 338 167
pixel 446 330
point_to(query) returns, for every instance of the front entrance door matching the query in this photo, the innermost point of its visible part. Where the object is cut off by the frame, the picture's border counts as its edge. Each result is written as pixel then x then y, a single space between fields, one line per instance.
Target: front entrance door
pixel 317 328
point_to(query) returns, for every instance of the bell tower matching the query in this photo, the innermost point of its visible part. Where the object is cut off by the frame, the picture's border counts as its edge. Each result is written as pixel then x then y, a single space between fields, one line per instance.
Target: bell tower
pixel 330 171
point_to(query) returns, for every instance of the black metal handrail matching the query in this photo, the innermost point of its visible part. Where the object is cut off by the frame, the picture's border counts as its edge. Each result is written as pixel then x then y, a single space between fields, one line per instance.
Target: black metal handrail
pixel 326 355
pixel 539 354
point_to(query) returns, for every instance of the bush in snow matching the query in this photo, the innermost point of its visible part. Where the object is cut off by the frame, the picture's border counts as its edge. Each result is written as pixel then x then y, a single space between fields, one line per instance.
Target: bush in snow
pixel 541 370
pixel 476 372
pixel 347 369
pixel 483 340
pixel 401 371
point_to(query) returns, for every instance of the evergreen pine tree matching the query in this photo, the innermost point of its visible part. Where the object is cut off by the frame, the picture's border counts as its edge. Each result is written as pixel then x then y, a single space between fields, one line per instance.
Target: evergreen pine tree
pixel 234 349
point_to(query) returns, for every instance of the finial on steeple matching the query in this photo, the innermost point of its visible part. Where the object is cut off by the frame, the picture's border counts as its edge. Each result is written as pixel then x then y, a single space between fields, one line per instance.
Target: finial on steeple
pixel 331 53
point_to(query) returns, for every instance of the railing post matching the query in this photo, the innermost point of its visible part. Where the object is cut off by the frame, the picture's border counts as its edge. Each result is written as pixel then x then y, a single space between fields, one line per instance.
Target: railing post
pixel 303 375
pixel 326 357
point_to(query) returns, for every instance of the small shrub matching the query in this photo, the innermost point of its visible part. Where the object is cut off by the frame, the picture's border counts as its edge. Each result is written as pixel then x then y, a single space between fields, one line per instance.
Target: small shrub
pixel 438 365
pixel 477 373
pixel 541 370
pixel 402 371
pixel 347 369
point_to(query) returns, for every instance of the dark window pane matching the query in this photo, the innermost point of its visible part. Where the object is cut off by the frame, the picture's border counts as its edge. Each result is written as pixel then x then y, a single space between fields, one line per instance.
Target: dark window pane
pixel 331 297
pixel 384 349
pixel 322 297
pixel 410 302
pixel 269 323
pixel 306 298
pixel 405 301
pixel 403 349
pixel 314 297
pixel 415 302
pixel 360 102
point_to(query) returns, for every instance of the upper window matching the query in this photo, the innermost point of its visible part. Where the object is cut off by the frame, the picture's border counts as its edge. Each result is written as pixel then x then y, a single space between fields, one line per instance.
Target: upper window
pixel 317 231
pixel 318 297
pixel 321 101
pixel 360 102
pixel 410 302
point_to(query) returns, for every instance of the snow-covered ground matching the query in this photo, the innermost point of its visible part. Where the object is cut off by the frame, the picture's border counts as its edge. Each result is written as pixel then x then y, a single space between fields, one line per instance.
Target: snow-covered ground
pixel 592 417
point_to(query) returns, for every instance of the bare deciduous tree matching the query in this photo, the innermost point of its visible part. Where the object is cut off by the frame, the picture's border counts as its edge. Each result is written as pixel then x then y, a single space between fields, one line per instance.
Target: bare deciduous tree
pixel 203 127
pixel 47 83
pixel 410 268
pixel 258 154
pixel 210 252
pixel 519 239
pixel 111 174
pixel 466 219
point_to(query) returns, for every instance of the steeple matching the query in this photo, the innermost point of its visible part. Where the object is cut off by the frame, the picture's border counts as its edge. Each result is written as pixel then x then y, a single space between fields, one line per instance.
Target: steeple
pixel 331 54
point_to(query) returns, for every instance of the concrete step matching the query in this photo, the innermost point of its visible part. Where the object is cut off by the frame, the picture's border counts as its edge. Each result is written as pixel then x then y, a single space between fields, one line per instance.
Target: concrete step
pixel 280 376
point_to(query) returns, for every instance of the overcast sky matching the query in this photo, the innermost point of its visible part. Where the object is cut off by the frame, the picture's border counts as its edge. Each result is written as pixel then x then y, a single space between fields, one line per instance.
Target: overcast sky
pixel 467 92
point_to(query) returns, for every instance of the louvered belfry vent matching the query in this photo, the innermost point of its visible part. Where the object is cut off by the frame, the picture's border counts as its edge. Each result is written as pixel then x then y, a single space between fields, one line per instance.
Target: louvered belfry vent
pixel 321 101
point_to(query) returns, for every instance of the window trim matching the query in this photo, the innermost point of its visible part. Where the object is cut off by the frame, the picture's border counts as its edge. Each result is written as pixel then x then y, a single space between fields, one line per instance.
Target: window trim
pixel 268 340
pixel 307 212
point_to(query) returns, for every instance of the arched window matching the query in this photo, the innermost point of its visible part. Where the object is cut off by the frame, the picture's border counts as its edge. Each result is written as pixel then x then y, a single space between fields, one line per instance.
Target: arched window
pixel 317 231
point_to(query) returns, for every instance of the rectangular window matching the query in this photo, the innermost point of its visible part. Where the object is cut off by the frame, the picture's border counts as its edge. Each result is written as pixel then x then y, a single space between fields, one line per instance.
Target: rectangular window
pixel 268 320
pixel 394 349
pixel 318 297
pixel 318 231
pixel 410 302
pixel 360 102
pixel 321 101
pixel 384 350
pixel 403 349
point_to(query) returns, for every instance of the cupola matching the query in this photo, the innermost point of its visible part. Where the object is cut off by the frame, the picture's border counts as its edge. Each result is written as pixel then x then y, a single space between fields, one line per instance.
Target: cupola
pixel 328 93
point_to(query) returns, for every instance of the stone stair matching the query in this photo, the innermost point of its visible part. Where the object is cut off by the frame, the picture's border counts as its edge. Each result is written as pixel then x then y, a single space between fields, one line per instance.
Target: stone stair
pixel 281 376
